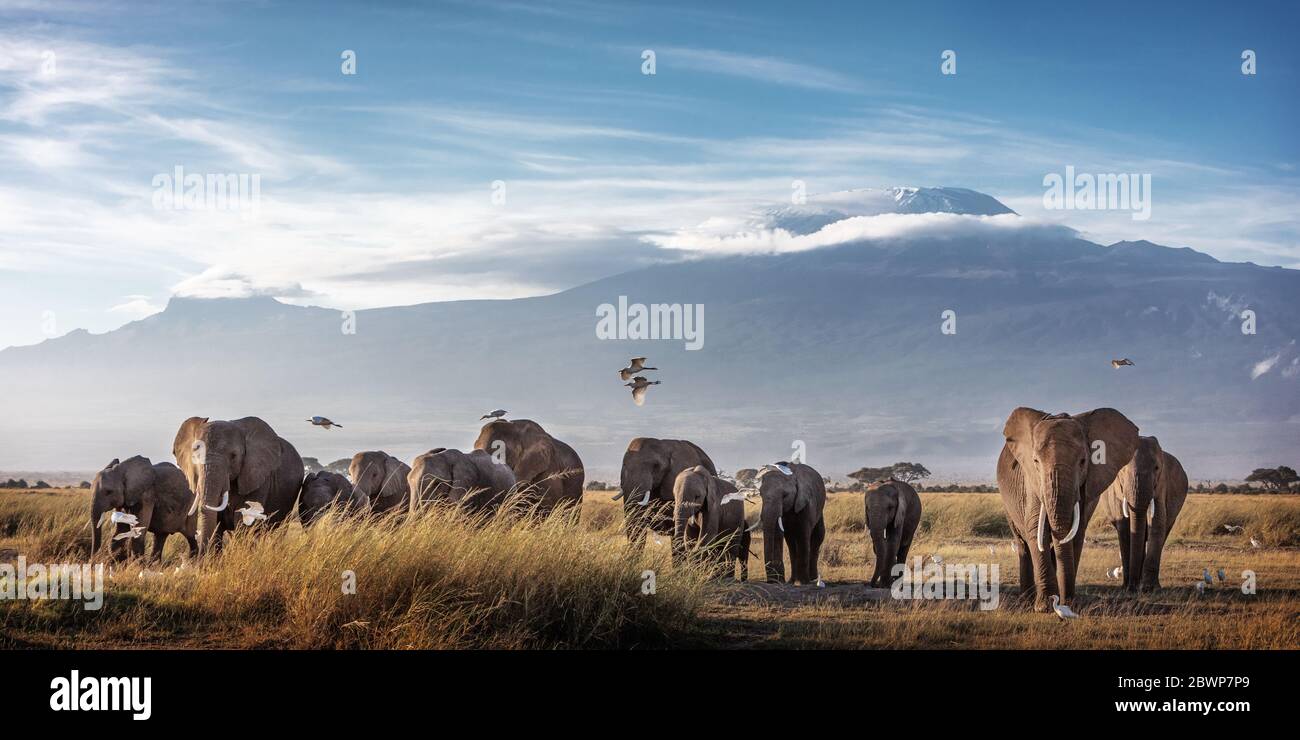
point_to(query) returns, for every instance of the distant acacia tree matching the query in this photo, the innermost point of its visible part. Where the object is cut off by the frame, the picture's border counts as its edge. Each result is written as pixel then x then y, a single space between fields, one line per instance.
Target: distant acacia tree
pixel 597 485
pixel 84 484
pixel 904 471
pixel 41 484
pixel 1280 478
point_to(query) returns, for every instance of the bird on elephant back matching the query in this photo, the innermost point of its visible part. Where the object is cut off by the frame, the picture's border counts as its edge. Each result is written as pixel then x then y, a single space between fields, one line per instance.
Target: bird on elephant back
pixel 794 499
pixel 1143 504
pixel 146 498
pixel 1052 472
pixel 548 471
pixel 709 517
pixel 650 469
pixel 239 470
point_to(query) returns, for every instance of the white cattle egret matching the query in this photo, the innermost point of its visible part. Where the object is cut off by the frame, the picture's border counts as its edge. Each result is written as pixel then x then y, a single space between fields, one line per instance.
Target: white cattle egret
pixel 493 415
pixel 1063 611
pixel 252 512
pixel 121 517
pixel 1255 543
pixel 1234 528
pixel 938 559
pixel 639 385
pixel 132 533
pixel 737 496
pixel 1200 587
pixel 1120 363
pixel 634 366
pixel 1115 572
pixel 320 421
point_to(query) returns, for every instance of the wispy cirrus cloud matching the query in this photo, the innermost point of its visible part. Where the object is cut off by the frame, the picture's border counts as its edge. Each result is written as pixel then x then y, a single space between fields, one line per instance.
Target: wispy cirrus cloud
pixel 769 69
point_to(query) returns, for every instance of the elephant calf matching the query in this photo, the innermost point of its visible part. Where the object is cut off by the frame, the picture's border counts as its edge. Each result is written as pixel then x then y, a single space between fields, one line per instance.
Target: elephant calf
pixel 158 496
pixel 382 479
pixel 709 514
pixel 472 480
pixel 323 490
pixel 893 511
pixel 1143 504
pixel 794 498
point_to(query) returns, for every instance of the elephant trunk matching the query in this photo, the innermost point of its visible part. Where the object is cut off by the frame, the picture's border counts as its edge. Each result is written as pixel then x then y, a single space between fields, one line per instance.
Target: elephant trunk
pixel 211 497
pixel 773 549
pixel 97 512
pixel 681 518
pixel 1064 570
pixel 1138 531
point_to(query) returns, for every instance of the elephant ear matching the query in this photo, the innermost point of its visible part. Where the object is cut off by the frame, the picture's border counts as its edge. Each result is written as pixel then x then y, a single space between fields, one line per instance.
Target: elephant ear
pixel 801 494
pixel 395 482
pixel 261 454
pixel 1121 440
pixel 1019 434
pixel 900 509
pixel 138 481
pixel 537 454
pixel 181 444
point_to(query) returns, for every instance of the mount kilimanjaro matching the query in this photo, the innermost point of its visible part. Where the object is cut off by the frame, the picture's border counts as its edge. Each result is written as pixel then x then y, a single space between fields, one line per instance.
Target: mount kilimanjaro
pixel 840 347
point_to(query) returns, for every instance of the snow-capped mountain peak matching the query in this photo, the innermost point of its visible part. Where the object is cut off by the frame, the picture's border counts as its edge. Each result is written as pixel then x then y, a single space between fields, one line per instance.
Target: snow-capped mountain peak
pixel 827 208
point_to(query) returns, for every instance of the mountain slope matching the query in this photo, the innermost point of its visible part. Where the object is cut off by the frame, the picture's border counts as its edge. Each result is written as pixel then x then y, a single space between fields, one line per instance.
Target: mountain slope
pixel 840 348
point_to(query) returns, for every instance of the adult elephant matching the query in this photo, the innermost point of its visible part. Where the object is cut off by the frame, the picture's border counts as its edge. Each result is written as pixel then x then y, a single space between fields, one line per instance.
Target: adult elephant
pixel 650 468
pixel 1143 504
pixel 893 511
pixel 547 469
pixel 709 514
pixel 474 480
pixel 324 490
pixel 382 479
pixel 1051 473
pixel 794 498
pixel 230 464
pixel 158 496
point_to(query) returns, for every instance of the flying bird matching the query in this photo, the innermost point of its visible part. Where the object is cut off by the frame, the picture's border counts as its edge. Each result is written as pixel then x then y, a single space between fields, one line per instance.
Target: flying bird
pixel 494 415
pixel 320 421
pixel 1234 528
pixel 251 513
pixel 639 386
pixel 1063 611
pixel 133 532
pixel 634 366
pixel 1120 363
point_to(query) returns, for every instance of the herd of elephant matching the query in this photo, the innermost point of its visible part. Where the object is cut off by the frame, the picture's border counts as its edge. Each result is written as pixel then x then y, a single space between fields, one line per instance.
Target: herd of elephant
pixel 1053 472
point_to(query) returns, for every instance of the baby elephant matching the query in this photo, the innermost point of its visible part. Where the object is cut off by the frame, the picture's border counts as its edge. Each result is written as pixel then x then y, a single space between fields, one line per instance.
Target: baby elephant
pixel 709 513
pixel 472 480
pixel 324 489
pixel 893 511
pixel 141 497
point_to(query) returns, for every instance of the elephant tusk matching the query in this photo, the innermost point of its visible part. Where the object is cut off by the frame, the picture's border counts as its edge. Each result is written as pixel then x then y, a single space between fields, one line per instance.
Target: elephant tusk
pixel 102 518
pixel 225 501
pixel 884 534
pixel 1151 512
pixel 1125 506
pixel 1042 528
pixel 1074 528
pixel 780 524
pixel 645 500
pixel 194 506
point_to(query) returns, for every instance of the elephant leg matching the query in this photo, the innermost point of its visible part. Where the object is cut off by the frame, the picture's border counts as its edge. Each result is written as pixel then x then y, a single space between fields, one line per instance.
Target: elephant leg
pixel 1026 567
pixel 1044 577
pixel 792 543
pixel 1151 568
pixel 743 555
pixel 193 543
pixel 1121 529
pixel 904 547
pixel 815 551
pixel 159 541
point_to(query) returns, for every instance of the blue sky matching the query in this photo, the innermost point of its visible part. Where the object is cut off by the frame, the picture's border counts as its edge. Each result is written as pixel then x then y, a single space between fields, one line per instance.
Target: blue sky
pixel 376 188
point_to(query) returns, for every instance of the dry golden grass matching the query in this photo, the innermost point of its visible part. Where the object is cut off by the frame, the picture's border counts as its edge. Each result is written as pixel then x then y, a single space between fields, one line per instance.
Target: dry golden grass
pixel 443 581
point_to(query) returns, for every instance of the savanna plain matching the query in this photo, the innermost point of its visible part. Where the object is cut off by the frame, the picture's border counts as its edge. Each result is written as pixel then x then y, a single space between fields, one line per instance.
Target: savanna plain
pixel 441 579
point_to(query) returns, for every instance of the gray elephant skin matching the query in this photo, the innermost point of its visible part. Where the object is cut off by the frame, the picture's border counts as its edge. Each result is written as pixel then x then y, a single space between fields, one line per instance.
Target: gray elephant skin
pixel 382 479
pixel 793 504
pixel 324 490
pixel 651 466
pixel 548 470
pixel 231 463
pixel 1143 505
pixel 1052 472
pixel 709 515
pixel 471 480
pixel 159 497
pixel 893 511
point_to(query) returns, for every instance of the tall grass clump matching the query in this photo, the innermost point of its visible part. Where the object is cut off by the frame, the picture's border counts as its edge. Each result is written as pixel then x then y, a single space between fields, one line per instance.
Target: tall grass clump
pixel 437 578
